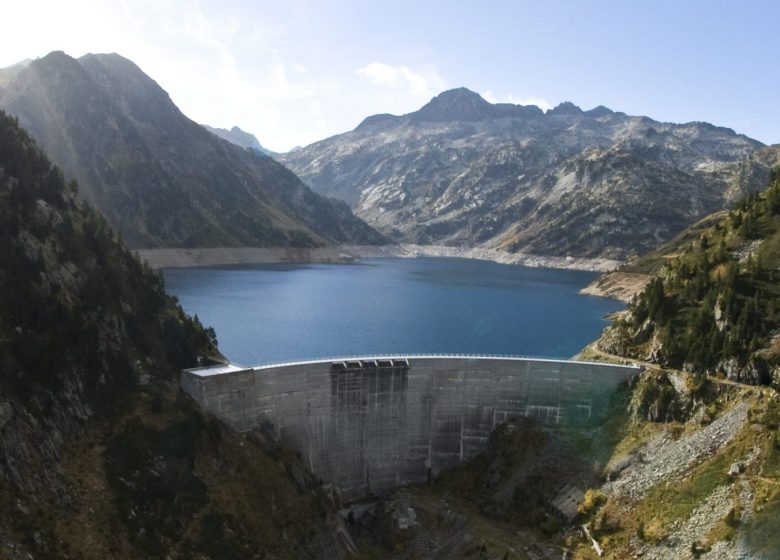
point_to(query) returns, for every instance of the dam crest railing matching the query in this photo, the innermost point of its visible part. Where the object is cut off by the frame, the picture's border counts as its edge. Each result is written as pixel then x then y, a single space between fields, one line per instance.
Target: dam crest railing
pixel 406 355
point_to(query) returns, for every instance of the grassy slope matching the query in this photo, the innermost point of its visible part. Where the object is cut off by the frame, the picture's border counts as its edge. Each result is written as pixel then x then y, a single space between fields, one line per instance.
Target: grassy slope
pixel 652 262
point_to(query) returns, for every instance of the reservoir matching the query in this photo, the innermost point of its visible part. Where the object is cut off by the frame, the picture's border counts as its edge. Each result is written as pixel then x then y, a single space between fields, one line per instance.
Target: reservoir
pixel 277 313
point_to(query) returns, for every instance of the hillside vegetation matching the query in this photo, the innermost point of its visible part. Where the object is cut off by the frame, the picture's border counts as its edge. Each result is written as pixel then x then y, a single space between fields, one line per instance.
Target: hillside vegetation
pixel 100 455
pixel 696 470
pixel 714 304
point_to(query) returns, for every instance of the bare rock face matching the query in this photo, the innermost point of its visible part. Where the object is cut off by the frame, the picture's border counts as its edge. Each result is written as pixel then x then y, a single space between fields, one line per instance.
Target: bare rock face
pixel 621 340
pixel 656 399
pixel 752 373
pixel 598 183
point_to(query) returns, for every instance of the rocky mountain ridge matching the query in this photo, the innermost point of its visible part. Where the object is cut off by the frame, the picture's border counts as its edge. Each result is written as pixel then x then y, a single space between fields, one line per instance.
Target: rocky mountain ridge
pixel 161 179
pixel 597 183
pixel 239 137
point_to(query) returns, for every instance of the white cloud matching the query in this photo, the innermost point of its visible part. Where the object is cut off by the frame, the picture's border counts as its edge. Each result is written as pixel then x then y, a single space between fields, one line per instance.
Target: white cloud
pixel 540 102
pixel 425 83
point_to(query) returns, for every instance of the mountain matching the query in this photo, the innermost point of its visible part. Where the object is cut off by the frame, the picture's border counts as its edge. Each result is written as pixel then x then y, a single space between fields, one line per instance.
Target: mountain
pixel 707 303
pixel 463 171
pixel 696 472
pixel 238 137
pixel 712 302
pixel 100 454
pixel 161 179
pixel 9 72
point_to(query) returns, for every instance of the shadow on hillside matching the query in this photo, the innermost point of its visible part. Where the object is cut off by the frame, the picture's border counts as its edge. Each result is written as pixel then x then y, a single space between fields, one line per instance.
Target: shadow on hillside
pixel 762 533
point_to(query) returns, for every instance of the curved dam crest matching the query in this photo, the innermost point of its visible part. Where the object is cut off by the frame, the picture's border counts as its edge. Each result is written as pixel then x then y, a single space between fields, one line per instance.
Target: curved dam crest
pixel 373 423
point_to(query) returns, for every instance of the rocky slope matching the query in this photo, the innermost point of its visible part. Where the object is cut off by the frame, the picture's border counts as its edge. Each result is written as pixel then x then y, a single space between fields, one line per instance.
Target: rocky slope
pixel 623 286
pixel 696 471
pixel 703 485
pixel 596 183
pixel 100 455
pixel 160 178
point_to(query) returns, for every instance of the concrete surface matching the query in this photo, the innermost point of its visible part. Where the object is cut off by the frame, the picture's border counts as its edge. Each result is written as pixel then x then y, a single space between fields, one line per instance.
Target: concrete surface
pixel 373 423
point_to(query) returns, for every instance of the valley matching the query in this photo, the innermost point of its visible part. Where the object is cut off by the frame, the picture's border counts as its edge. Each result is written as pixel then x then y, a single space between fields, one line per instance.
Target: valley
pixel 401 297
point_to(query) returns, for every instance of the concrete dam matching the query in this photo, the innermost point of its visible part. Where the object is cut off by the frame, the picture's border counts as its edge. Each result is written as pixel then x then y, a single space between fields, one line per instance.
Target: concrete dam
pixel 373 423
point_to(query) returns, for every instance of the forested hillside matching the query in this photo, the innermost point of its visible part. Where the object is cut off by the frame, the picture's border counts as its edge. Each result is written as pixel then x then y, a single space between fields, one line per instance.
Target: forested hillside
pixel 714 304
pixel 100 455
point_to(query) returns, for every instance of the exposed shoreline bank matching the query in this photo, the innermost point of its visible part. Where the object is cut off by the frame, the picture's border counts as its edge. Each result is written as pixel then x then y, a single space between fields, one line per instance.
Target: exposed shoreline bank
pixel 224 256
pixel 622 286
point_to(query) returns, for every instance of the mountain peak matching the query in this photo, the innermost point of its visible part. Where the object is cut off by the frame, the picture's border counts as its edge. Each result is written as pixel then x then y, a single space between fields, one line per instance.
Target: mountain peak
pixel 455 104
pixel 239 137
pixel 118 133
pixel 600 111
pixel 105 57
pixel 55 60
pixel 459 95
pixel 377 120
pixel 566 108
pixel 117 65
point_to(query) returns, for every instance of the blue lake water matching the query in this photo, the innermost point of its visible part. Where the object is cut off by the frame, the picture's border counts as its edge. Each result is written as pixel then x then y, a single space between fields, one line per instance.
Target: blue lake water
pixel 276 313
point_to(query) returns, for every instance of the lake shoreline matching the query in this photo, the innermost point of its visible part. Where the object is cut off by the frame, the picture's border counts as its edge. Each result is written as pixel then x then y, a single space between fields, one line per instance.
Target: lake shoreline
pixel 344 254
pixel 279 313
pixel 622 286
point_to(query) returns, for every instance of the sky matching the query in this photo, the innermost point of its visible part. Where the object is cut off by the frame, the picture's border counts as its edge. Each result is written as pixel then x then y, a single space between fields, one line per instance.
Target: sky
pixel 296 71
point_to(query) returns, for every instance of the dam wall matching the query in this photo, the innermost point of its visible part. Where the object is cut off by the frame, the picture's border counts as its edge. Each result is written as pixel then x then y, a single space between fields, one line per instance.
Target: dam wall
pixel 370 424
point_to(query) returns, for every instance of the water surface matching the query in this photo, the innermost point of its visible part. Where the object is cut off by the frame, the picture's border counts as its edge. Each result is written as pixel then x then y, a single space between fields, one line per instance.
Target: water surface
pixel 276 313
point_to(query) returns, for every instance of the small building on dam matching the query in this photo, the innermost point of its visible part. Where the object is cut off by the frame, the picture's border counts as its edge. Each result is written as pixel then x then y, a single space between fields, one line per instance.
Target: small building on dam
pixel 370 424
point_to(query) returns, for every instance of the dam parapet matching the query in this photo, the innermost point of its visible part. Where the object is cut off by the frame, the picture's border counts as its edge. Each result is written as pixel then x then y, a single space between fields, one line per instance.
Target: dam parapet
pixel 368 424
